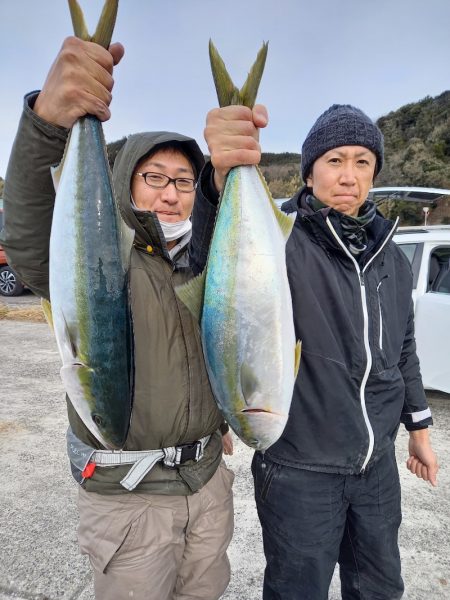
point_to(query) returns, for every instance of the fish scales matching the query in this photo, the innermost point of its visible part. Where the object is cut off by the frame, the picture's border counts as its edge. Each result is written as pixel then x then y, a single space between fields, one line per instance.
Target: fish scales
pixel 88 288
pixel 243 299
pixel 247 312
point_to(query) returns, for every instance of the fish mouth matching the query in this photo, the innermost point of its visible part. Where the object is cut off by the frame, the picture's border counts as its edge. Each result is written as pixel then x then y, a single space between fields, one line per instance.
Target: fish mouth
pixel 259 411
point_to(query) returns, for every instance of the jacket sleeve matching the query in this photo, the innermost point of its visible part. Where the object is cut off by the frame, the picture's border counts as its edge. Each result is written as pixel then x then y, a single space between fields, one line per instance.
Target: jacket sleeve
pixel 416 413
pixel 29 197
pixel 203 219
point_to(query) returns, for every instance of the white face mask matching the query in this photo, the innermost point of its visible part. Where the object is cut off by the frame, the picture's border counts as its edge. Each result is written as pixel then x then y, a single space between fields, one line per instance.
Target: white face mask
pixel 174 231
pixel 171 231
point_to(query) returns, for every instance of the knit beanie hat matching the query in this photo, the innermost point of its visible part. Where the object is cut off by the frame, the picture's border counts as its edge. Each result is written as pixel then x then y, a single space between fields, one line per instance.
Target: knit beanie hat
pixel 341 125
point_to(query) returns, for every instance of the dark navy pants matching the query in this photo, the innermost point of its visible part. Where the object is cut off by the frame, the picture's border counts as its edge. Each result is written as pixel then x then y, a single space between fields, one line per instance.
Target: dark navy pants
pixel 311 521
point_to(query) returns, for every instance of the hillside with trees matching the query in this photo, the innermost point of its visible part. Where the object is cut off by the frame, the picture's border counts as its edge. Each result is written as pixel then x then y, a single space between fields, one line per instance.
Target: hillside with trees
pixel 417 144
pixel 417 153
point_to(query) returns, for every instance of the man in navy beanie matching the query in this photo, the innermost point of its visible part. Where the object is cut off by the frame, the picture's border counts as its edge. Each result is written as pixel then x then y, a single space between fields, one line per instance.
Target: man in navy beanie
pixel 328 490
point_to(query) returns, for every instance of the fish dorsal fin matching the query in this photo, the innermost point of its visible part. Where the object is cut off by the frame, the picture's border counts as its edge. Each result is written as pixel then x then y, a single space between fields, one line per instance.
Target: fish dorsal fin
pixel 298 351
pixel 192 293
pixel 249 383
pixel 227 92
pixel 47 309
pixel 105 27
pixel 285 221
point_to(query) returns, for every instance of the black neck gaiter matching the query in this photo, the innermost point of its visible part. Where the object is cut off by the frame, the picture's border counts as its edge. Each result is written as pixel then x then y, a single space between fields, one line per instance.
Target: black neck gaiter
pixel 354 233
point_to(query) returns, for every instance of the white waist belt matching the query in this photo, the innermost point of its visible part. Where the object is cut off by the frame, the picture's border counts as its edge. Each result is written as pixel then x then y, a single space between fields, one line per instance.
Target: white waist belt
pixel 143 461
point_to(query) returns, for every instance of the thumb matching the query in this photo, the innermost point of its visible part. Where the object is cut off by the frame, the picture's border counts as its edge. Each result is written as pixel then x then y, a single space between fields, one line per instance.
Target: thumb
pixel 432 475
pixel 260 115
pixel 117 51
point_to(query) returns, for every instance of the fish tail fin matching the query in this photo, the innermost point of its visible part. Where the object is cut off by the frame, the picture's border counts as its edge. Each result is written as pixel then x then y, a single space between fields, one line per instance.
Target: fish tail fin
pixel 105 27
pixel 249 90
pixel 227 92
pixel 298 351
pixel 192 293
pixel 78 22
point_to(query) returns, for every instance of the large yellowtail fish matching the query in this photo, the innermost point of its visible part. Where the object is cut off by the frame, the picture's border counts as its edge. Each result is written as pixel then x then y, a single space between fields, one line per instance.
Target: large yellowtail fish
pixel 89 257
pixel 242 299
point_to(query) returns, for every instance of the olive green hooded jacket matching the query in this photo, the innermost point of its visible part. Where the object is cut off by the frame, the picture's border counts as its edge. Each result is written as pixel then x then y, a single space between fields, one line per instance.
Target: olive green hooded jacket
pixel 173 402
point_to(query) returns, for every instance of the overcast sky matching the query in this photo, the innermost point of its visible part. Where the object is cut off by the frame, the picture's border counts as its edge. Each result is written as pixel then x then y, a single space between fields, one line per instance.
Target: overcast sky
pixel 375 54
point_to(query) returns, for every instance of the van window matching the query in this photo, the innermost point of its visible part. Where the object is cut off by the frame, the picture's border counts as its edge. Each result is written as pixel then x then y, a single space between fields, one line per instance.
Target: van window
pixel 409 250
pixel 439 270
pixel 413 253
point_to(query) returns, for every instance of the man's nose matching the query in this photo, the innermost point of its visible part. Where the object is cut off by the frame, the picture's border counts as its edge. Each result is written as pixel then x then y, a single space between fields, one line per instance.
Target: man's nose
pixel 348 174
pixel 170 193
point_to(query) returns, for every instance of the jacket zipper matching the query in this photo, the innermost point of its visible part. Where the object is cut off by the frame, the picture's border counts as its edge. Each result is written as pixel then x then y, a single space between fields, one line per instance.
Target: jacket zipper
pixel 362 286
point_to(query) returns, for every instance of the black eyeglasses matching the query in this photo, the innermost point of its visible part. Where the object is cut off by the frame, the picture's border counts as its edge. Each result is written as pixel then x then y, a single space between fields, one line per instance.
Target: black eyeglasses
pixel 160 181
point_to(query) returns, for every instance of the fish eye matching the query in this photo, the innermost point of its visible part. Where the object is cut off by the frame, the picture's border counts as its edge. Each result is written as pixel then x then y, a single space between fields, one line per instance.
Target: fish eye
pixel 97 420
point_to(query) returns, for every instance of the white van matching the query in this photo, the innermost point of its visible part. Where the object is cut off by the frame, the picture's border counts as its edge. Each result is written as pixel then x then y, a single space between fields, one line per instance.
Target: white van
pixel 428 251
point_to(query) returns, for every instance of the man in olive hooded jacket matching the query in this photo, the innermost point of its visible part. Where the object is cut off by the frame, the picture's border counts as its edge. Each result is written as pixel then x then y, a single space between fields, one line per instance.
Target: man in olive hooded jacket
pixel 167 537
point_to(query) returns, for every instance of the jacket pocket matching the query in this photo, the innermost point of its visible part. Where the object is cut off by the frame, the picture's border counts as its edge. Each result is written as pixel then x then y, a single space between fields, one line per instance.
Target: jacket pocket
pixel 380 313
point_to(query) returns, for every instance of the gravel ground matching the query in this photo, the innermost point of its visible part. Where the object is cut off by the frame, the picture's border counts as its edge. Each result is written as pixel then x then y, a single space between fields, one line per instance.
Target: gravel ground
pixel 39 554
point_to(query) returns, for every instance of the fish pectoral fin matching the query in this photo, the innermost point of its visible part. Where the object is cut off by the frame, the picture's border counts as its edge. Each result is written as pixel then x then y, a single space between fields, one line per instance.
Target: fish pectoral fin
pixel 56 174
pixel 298 351
pixel 249 383
pixel 227 92
pixel 192 293
pixel 70 350
pixel 105 27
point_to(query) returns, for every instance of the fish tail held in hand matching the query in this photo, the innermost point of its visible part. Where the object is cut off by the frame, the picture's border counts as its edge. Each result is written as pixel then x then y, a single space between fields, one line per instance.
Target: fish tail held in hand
pixel 227 92
pixel 105 27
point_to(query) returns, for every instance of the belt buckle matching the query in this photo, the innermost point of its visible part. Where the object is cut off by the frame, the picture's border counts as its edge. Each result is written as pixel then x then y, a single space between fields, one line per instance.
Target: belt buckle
pixel 187 452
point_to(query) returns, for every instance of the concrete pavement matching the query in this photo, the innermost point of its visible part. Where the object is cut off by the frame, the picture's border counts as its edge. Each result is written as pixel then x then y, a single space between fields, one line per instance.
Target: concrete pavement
pixel 39 556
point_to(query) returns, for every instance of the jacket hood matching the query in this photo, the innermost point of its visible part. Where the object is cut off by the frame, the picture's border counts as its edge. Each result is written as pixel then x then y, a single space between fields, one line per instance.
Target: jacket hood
pixel 137 146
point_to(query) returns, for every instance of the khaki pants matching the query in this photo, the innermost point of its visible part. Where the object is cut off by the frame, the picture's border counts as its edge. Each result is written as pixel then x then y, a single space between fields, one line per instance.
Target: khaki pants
pixel 154 547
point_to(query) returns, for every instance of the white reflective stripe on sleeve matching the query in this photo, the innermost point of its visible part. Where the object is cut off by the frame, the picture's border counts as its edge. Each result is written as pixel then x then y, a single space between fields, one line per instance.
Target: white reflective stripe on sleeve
pixel 421 415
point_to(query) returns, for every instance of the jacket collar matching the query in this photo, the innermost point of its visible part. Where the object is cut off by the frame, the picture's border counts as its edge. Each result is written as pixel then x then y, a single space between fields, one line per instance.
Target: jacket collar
pixel 315 224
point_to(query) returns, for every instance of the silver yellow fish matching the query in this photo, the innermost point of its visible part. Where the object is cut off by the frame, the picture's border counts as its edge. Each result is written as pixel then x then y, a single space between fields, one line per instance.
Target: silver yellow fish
pixel 89 258
pixel 243 298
